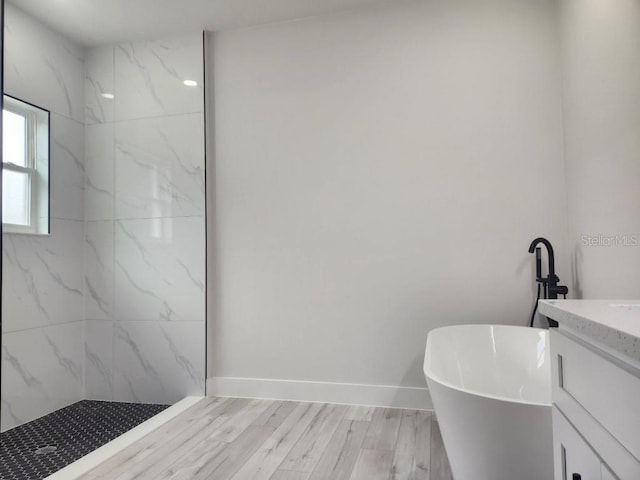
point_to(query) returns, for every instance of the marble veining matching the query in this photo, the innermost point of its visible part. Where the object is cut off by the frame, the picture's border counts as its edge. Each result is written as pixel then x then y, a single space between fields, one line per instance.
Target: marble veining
pixel 149 76
pixel 52 77
pixel 94 113
pixel 159 168
pixel 100 170
pixel 43 367
pixel 198 282
pixel 24 374
pixel 56 277
pixel 129 52
pixel 98 343
pixel 97 363
pixel 99 80
pixel 96 188
pixel 57 74
pixel 65 362
pixel 182 360
pixel 67 168
pixel 43 297
pixel 11 264
pixel 95 250
pixel 46 275
pixel 99 302
pixel 159 271
pixel 137 243
pixel 98 270
pixel 75 158
pixel 145 221
pixel 163 310
pixel 158 359
pixel 111 305
pixel 123 335
pixel 136 379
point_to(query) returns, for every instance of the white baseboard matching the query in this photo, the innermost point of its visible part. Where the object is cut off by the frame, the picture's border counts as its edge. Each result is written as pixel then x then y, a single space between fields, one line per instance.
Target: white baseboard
pixel 326 392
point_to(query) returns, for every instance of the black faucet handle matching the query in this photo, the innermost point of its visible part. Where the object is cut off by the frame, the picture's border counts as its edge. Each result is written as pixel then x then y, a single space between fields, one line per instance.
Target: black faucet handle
pixel 560 289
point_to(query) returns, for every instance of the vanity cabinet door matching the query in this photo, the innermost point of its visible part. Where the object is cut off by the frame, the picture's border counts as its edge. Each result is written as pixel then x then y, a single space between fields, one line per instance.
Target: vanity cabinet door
pixel 573 457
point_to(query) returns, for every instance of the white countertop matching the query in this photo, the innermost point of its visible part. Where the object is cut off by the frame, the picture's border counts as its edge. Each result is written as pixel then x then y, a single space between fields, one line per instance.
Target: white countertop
pixel 612 323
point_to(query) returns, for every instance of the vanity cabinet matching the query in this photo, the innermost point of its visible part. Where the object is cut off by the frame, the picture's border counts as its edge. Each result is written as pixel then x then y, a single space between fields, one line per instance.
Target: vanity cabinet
pixel 572 456
pixel 596 411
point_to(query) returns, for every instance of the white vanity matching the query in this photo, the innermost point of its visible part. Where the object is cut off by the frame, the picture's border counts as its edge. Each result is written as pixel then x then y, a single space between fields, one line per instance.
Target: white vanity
pixel 595 361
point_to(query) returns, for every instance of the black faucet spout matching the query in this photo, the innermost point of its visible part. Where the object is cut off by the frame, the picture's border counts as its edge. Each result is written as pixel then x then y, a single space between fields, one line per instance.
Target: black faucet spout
pixel 550 284
pixel 547 244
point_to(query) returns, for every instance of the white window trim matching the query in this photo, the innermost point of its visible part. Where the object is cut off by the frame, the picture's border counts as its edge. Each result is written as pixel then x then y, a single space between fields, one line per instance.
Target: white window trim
pixel 39 191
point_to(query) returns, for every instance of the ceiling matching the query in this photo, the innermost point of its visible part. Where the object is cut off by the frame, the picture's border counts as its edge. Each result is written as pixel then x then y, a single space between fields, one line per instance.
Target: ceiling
pixel 99 22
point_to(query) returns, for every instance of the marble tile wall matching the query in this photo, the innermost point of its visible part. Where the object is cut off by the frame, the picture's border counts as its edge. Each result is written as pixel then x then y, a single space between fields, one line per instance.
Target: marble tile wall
pixel 110 305
pixel 145 221
pixel 43 297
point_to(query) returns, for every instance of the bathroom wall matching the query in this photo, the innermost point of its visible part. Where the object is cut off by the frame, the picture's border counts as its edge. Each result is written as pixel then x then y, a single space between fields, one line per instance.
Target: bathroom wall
pixel 42 301
pixel 601 78
pixel 378 174
pixel 145 221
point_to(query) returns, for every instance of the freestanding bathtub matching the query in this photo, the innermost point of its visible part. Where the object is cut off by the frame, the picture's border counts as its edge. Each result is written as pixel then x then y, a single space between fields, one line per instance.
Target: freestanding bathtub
pixel 491 390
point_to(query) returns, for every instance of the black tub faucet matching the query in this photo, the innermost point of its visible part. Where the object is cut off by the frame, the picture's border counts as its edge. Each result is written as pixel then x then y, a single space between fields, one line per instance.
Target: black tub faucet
pixel 550 283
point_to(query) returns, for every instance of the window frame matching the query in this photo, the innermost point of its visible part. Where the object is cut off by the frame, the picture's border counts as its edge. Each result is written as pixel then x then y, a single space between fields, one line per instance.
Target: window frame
pixel 39 208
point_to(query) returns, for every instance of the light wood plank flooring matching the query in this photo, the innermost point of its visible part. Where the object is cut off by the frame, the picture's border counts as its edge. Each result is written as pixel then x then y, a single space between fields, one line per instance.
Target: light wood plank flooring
pixel 242 439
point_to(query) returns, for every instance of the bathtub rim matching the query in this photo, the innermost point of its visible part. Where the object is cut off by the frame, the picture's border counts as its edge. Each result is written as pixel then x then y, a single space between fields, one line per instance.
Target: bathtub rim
pixel 437 379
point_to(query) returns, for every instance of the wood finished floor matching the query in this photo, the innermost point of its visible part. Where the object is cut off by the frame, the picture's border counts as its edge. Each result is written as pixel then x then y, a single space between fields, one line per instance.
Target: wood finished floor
pixel 242 439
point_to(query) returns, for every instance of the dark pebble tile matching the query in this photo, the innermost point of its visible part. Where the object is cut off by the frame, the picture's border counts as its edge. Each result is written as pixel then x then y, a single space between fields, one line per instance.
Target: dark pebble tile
pixel 74 431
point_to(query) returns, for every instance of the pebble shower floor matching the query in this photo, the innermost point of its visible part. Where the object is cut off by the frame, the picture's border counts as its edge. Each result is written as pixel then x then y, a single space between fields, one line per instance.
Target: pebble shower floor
pixel 39 448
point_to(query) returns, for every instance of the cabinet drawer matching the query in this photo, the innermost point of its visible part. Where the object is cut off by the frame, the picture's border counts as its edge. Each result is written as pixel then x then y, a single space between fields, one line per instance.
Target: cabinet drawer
pixel 585 380
pixel 571 454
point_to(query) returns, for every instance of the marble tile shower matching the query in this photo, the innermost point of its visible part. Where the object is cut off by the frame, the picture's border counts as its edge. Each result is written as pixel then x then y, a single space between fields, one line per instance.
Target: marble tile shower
pixel 111 305
pixel 145 221
pixel 43 297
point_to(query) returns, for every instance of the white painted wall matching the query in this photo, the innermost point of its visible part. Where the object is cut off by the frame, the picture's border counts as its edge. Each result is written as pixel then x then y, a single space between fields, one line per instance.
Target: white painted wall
pixel 601 83
pixel 378 174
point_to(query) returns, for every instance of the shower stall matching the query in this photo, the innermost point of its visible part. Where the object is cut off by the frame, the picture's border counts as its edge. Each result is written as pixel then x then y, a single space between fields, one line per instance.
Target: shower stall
pixel 103 289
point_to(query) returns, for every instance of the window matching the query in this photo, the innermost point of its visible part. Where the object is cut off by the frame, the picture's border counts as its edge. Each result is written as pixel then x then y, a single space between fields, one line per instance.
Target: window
pixel 25 167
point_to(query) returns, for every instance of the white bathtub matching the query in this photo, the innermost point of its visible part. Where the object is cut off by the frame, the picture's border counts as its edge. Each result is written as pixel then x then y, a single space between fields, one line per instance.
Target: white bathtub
pixel 491 390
